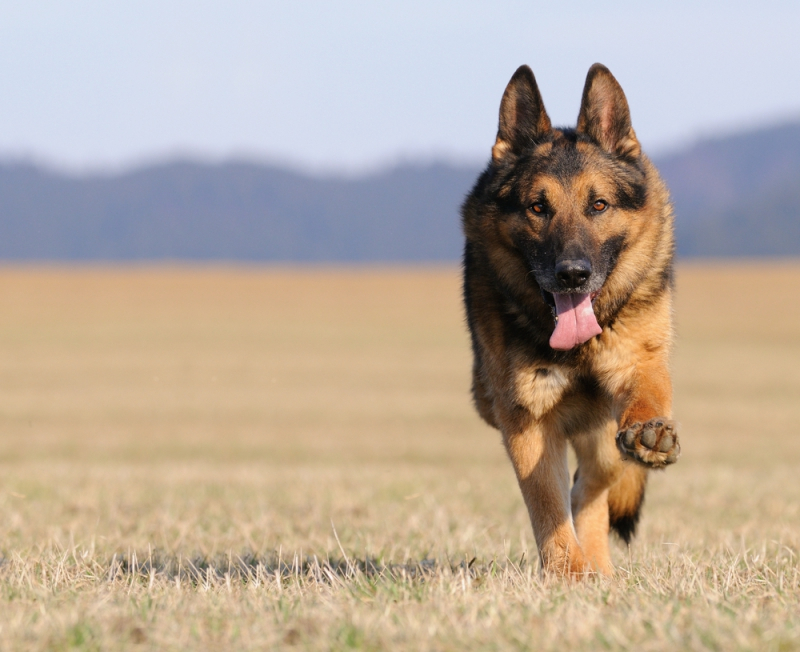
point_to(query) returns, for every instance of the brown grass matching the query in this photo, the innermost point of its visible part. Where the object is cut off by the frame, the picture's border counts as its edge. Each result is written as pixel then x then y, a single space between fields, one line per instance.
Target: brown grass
pixel 252 459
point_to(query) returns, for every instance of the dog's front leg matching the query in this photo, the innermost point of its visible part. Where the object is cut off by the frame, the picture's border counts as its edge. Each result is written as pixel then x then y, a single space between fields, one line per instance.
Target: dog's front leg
pixel 647 434
pixel 599 468
pixel 539 456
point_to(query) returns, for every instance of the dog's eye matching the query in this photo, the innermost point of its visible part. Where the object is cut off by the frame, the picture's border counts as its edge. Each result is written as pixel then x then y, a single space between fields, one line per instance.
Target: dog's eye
pixel 537 208
pixel 600 205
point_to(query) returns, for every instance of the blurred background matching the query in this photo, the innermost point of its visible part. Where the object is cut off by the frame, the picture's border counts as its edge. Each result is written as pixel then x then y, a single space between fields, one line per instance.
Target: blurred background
pixel 350 131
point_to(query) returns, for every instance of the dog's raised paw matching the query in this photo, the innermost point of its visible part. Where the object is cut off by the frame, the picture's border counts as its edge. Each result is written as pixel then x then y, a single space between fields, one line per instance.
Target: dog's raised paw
pixel 653 443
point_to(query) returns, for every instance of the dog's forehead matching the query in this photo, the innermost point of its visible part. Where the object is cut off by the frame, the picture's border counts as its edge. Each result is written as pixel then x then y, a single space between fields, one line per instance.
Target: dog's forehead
pixel 565 162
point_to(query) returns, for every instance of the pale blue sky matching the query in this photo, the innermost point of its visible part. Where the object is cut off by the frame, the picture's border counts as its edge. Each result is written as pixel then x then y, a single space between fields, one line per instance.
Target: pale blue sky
pixel 351 84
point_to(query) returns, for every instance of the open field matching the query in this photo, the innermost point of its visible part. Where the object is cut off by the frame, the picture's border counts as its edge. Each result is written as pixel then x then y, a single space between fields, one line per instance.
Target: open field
pixel 250 459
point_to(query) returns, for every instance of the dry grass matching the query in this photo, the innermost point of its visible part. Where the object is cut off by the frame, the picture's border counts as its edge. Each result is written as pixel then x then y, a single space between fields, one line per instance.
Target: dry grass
pixel 178 446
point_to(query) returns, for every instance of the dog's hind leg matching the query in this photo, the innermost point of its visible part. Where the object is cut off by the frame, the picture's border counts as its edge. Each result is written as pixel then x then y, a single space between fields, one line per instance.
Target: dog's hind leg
pixel 599 469
pixel 539 456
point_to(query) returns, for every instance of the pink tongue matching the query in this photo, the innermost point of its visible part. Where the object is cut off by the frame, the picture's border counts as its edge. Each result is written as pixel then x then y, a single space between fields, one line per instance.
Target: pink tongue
pixel 576 321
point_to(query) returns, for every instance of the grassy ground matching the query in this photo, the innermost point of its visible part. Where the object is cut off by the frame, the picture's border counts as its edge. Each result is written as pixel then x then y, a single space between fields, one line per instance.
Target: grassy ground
pixel 253 459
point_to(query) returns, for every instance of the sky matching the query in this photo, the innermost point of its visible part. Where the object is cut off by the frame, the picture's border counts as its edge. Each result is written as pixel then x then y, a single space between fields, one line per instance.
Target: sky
pixel 342 87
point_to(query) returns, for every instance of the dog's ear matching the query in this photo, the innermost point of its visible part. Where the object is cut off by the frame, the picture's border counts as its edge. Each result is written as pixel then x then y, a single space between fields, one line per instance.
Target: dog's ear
pixel 523 119
pixel 605 116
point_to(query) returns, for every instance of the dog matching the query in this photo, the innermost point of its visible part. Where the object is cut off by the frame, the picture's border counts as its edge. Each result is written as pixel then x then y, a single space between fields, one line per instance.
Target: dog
pixel 568 284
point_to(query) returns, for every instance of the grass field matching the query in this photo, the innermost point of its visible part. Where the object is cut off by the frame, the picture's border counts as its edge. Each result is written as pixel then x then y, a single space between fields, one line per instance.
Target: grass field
pixel 255 459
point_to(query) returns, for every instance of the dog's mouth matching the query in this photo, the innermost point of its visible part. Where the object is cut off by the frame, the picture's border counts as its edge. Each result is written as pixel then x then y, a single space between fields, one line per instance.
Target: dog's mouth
pixel 575 321
pixel 550 300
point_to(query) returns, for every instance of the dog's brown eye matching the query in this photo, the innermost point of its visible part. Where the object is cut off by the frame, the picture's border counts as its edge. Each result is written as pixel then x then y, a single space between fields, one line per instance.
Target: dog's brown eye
pixel 600 205
pixel 537 208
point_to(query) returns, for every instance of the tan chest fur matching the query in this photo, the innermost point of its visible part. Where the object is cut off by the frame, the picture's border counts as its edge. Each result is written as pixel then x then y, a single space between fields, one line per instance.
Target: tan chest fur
pixel 539 388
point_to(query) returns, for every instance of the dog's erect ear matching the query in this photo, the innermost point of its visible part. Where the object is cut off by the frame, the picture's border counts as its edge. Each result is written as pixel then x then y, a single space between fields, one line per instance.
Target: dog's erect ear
pixel 523 119
pixel 605 116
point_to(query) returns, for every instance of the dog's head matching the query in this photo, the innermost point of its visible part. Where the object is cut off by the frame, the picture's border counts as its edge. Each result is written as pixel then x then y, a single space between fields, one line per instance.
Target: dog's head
pixel 564 201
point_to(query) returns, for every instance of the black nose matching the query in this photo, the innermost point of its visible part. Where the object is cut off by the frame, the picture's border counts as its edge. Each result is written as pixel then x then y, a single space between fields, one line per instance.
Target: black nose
pixel 571 274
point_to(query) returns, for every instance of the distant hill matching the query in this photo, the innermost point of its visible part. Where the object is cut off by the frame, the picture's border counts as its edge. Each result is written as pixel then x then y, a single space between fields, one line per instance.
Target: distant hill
pixel 738 196
pixel 735 196
pixel 231 211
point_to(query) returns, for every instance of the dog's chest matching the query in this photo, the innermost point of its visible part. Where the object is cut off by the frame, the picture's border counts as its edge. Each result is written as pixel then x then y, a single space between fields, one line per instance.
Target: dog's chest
pixel 539 388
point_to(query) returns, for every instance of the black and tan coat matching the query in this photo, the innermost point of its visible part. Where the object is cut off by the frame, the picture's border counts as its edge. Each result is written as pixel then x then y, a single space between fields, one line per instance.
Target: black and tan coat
pixel 563 217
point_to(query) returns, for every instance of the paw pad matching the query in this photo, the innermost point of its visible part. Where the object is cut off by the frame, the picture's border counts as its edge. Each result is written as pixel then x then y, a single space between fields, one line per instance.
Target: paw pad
pixel 653 443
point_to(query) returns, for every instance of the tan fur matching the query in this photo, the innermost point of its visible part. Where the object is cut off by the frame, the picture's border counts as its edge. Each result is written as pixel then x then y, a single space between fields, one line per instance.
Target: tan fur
pixel 500 149
pixel 611 397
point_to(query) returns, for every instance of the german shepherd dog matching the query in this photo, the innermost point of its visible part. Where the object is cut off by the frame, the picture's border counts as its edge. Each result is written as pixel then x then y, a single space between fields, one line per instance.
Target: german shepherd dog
pixel 568 281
